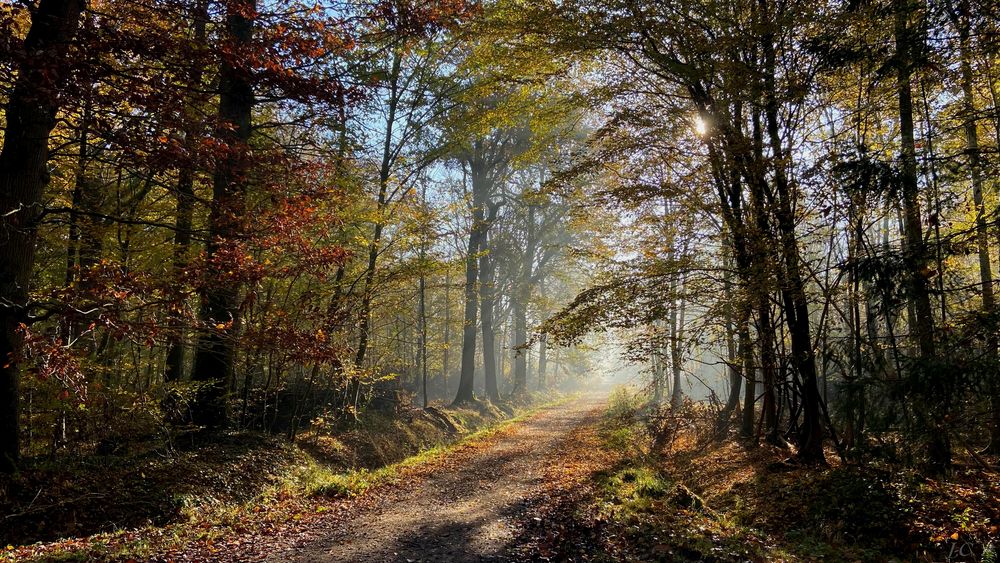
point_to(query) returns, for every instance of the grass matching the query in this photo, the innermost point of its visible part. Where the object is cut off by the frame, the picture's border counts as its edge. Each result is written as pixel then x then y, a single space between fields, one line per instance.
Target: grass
pixel 318 480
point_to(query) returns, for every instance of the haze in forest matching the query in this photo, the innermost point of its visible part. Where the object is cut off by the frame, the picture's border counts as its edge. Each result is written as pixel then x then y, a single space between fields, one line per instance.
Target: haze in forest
pixel 666 279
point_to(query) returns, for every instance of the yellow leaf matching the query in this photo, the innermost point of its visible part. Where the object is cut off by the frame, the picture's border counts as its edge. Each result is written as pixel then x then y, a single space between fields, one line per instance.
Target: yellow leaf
pixel 955 536
pixel 220 326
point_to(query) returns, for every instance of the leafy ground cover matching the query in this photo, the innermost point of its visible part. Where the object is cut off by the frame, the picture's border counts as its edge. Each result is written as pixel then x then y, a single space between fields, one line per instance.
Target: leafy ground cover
pixel 702 499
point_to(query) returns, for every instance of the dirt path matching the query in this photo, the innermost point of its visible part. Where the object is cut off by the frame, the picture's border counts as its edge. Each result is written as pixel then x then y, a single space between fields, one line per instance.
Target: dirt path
pixel 467 510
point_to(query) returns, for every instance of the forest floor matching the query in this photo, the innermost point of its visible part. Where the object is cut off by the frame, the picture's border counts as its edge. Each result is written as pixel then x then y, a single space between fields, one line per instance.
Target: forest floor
pixel 578 480
pixel 699 496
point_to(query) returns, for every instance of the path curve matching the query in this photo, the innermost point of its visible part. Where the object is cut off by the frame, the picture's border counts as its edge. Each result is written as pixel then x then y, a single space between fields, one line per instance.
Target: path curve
pixel 468 510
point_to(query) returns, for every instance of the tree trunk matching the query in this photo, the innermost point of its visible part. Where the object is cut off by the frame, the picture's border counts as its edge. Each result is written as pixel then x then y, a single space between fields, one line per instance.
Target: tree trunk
pixel 522 294
pixel 220 306
pixel 519 310
pixel 487 292
pixel 750 391
pixel 383 185
pixel 174 369
pixel 480 191
pixel 676 341
pixel 732 352
pixel 793 286
pixel 30 115
pixel 982 229
pixel 543 341
pixel 938 444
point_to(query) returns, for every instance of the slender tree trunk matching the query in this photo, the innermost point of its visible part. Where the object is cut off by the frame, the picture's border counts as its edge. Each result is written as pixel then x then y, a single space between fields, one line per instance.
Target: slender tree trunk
pixel 750 390
pixel 487 263
pixel 732 352
pixel 912 224
pixel 519 309
pixel 30 115
pixel 543 341
pixel 215 359
pixel 982 228
pixel 446 353
pixel 383 185
pixel 522 294
pixel 793 286
pixel 938 443
pixel 677 342
pixel 186 200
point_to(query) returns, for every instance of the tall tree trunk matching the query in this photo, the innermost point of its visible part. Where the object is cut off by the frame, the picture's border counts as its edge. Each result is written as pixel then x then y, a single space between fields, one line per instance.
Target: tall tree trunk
pixel 938 443
pixel 915 250
pixel 750 390
pixel 976 175
pixel 543 342
pixel 487 293
pixel 383 186
pixel 422 306
pixel 522 294
pixel 793 285
pixel 446 352
pixel 215 359
pixel 676 341
pixel 480 192
pixel 174 368
pixel 732 351
pixel 520 311
pixel 30 115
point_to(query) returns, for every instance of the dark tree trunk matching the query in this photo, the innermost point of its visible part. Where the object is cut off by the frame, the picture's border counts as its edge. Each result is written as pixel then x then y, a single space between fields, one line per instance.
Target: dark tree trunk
pixel 373 249
pixel 750 391
pixel 520 312
pixel 522 294
pixel 174 369
pixel 982 229
pixel 30 115
pixel 676 340
pixel 214 361
pixel 915 249
pixel 915 252
pixel 480 193
pixel 732 351
pixel 793 285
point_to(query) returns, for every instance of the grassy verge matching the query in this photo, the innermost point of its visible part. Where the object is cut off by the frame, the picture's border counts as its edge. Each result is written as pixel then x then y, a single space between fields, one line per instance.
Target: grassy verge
pixel 295 484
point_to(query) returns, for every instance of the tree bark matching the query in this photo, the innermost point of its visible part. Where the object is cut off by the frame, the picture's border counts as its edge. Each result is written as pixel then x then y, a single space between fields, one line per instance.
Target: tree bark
pixel 915 255
pixel 543 342
pixel 487 295
pixel 480 192
pixel 522 294
pixel 383 186
pixel 30 115
pixel 676 341
pixel 793 286
pixel 174 369
pixel 220 303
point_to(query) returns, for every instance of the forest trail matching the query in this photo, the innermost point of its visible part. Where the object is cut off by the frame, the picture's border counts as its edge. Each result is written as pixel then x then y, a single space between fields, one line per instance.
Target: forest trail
pixel 468 510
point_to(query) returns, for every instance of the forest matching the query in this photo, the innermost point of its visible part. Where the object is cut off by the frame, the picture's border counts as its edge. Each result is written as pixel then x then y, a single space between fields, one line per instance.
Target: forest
pixel 499 280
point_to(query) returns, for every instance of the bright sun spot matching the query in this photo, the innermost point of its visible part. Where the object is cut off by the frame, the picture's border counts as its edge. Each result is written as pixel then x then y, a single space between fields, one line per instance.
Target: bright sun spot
pixel 699 125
